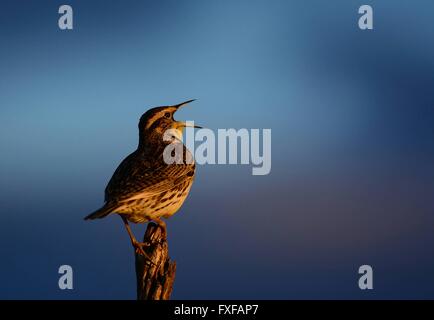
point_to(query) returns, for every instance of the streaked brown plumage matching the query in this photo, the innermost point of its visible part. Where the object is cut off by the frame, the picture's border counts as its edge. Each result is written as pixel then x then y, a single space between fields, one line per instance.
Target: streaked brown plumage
pixel 144 187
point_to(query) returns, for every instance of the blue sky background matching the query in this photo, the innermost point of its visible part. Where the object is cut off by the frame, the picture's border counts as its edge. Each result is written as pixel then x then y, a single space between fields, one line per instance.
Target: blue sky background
pixel 352 119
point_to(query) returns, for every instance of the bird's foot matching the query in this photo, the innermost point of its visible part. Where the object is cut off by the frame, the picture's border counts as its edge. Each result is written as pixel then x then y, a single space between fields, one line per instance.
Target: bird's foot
pixel 162 225
pixel 158 242
pixel 139 249
pixel 164 233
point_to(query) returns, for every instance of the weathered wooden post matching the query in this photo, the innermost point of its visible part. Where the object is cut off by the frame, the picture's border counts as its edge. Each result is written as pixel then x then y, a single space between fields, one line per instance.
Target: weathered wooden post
pixel 155 279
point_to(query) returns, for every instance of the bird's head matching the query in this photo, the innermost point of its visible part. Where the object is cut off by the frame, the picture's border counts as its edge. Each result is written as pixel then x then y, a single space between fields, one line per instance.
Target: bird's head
pixel 155 122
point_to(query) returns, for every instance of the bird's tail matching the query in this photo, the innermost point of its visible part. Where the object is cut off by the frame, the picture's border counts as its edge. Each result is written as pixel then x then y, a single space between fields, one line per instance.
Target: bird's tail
pixel 102 212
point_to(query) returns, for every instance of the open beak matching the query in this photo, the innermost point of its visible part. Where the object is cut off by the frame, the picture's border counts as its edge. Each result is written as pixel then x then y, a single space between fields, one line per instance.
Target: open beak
pixel 185 124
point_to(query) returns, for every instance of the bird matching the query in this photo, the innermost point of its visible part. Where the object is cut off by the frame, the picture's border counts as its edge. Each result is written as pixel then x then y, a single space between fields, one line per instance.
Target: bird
pixel 146 186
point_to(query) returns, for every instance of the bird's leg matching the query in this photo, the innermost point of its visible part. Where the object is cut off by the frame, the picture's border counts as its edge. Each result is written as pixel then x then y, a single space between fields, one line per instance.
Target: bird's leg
pixel 137 245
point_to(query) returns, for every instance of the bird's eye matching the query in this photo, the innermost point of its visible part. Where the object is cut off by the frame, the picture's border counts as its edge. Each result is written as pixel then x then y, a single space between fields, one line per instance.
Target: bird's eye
pixel 167 115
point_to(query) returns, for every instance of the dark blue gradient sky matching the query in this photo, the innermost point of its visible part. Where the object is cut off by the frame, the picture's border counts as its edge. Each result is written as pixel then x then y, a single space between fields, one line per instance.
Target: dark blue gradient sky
pixel 352 119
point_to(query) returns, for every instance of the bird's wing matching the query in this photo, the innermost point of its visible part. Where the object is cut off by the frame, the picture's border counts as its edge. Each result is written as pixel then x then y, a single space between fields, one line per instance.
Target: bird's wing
pixel 135 178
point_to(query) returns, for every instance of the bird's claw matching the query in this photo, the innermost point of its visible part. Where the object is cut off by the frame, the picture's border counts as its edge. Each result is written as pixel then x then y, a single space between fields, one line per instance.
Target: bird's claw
pixel 138 246
pixel 154 243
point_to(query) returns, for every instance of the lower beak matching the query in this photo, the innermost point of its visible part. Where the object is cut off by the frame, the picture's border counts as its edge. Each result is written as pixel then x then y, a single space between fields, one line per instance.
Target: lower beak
pixel 183 124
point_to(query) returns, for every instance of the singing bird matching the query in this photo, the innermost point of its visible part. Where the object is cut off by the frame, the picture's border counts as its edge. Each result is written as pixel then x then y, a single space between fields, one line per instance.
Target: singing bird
pixel 146 186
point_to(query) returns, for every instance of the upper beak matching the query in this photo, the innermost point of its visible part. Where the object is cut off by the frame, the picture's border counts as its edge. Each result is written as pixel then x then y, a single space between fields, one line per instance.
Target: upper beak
pixel 183 103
